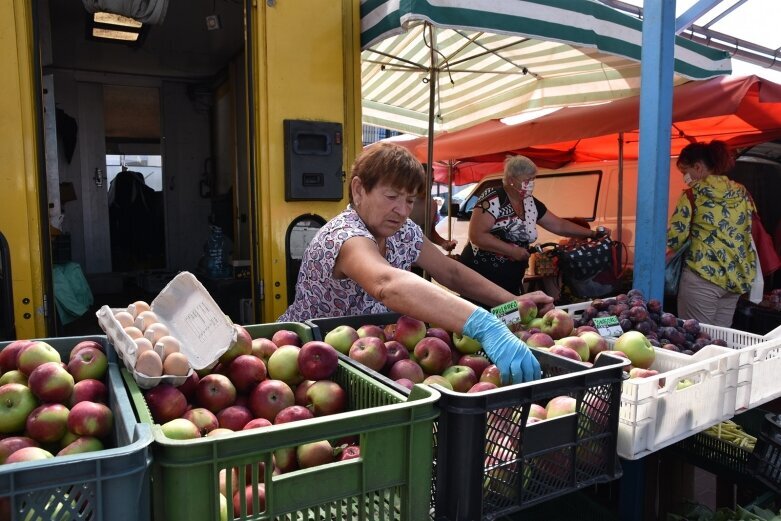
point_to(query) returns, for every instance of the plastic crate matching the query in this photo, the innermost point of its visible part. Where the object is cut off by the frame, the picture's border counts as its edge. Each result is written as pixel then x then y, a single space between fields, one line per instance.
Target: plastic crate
pixel 390 481
pixel 106 485
pixel 766 458
pixel 488 464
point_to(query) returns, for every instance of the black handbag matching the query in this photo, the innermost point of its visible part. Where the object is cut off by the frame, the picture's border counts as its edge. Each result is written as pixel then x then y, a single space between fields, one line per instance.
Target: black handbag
pixel 585 259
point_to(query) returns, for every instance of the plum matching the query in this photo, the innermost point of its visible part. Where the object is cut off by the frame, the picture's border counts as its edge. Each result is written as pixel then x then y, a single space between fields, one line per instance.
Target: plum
pixel 634 292
pixel 626 324
pixel 692 326
pixel 668 319
pixel 719 342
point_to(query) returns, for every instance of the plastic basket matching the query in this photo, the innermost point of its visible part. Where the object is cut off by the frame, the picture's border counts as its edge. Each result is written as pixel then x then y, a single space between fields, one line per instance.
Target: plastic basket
pixel 488 464
pixel 106 485
pixel 766 459
pixel 390 481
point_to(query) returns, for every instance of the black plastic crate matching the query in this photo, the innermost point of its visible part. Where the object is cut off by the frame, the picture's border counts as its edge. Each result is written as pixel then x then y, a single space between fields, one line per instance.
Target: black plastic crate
pixel 61 248
pixel 766 459
pixel 487 463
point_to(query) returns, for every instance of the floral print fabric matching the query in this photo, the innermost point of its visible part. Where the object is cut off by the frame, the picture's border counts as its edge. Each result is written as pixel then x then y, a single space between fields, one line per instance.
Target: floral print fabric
pixel 319 295
pixel 720 228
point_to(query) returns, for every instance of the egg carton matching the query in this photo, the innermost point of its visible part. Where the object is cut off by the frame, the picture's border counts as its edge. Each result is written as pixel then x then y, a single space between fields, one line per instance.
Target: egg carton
pixel 192 317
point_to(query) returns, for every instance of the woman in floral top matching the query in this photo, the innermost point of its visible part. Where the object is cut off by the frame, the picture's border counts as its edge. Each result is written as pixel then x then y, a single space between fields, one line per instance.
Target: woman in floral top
pixel 720 264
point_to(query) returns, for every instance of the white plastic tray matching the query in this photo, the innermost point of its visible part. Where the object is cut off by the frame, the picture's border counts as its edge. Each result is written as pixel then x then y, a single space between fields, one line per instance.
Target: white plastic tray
pixel 192 316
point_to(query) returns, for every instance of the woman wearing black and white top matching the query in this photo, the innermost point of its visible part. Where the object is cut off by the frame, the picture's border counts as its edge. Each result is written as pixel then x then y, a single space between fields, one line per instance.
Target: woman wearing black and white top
pixel 504 224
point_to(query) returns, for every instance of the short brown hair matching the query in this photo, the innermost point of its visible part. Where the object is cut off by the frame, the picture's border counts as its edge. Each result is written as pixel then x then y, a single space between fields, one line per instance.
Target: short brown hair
pixel 715 155
pixel 389 164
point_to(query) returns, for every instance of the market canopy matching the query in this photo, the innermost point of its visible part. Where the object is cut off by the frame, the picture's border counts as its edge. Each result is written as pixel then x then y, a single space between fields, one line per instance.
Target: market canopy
pixel 741 111
pixel 496 58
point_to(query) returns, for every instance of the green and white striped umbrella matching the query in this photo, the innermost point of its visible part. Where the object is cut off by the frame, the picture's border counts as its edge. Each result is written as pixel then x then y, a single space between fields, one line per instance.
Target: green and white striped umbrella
pixel 496 58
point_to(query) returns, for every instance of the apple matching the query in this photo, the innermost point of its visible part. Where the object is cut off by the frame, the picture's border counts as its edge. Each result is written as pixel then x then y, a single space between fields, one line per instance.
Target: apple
pixel 190 384
pixel 285 459
pixel 257 423
pixel 585 328
pixel 405 382
pixel 566 352
pixel 577 344
pixel 180 429
pixel 263 348
pixel 234 417
pixel 439 380
pixel 269 397
pixel 460 377
pixel 407 369
pixel 349 452
pixel 88 390
pixel 248 496
pixel 165 402
pixel 396 351
pixel 88 363
pixel 286 337
pixel 241 346
pixel 433 355
pixel 13 443
pixel 481 386
pixel 14 376
pixel 29 454
pixel 223 480
pixel 219 431
pixel 315 453
pixel 637 348
pixel 47 423
pixel 293 413
pixel 326 397
pixel 16 403
pixel 491 374
pixel 535 323
pixel 441 334
pixel 527 309
pixel 246 371
pixel 85 343
pixel 557 323
pixel 639 372
pixel 595 342
pixel 35 354
pixel 81 445
pixel 341 338
pixel 283 365
pixel 10 353
pixel 409 331
pixel 202 418
pixel 537 411
pixel 371 330
pixel 540 340
pixel 51 382
pixel 370 351
pixel 559 406
pixel 317 360
pixel 523 335
pixel 90 419
pixel 466 345
pixel 478 363
pixel 389 331
pixel 215 392
pixel 299 393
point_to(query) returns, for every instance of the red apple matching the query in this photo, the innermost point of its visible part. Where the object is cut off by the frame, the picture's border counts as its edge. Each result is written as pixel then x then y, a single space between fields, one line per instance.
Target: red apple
pixel 88 390
pixel 370 351
pixel 540 340
pixel 13 443
pixel 283 365
pixel 16 403
pixel 189 386
pixel 85 343
pixel 90 419
pixel 315 453
pixel 29 454
pixel 286 337
pixel 491 374
pixel 527 309
pixel 165 402
pixel 257 423
pixel 566 352
pixel 300 392
pixel 262 348
pixel 407 369
pixel 51 382
pixel 234 417
pixel 10 353
pixel 317 360
pixel 577 344
pixel 349 452
pixel 582 329
pixel 481 386
pixel 396 351
pixel 409 331
pixel 559 406
pixel 293 413
pixel 557 323
pixel 371 330
pixel 219 431
pixel 269 397
pixel 215 392
pixel 246 371
pixel 537 411
pixel 341 338
pixel 35 354
pixel 81 445
pixel 460 377
pixel 285 459
pixel 248 496
pixel 202 418
pixel 478 363
pixel 439 380
pixel 242 346
pixel 405 382
pixel 433 355
pixel 88 363
pixel 326 397
pixel 441 334
pixel 637 348
pixel 47 423
pixel 596 343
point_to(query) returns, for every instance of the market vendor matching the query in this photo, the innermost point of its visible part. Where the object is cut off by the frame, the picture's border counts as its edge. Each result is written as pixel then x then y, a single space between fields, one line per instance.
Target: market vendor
pixel 360 261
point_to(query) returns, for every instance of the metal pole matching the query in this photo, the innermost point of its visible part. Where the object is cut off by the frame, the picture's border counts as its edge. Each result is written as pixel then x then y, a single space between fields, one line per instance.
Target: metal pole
pixel 619 220
pixel 432 81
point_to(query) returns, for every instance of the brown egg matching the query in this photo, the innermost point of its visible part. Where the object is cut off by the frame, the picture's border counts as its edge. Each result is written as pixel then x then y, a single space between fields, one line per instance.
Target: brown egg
pixel 124 318
pixel 167 345
pixel 145 319
pixel 155 332
pixel 176 364
pixel 137 307
pixel 133 332
pixel 149 364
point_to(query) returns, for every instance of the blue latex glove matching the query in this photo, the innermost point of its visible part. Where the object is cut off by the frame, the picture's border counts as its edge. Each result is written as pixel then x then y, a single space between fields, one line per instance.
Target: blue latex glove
pixel 515 361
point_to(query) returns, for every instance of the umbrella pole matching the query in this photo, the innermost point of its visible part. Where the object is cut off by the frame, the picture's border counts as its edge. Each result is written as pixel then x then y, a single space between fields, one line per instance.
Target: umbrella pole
pixel 449 200
pixel 620 184
pixel 430 153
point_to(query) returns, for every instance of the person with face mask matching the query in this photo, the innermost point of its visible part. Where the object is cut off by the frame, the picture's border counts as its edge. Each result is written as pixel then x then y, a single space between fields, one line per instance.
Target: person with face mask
pixel 720 264
pixel 504 223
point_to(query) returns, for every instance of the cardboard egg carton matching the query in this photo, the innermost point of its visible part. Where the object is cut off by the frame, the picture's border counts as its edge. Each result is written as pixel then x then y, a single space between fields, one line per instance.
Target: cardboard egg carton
pixel 192 317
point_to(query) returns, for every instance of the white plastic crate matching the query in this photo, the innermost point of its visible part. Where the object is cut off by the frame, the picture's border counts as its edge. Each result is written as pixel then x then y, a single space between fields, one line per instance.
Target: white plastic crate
pixel 655 413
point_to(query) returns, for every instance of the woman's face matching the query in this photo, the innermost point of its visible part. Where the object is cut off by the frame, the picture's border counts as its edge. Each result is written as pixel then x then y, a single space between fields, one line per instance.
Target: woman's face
pixel 692 173
pixel 384 210
pixel 519 187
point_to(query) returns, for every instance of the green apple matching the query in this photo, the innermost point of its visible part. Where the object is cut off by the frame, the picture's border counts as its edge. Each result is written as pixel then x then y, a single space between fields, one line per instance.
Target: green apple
pixel 466 345
pixel 16 403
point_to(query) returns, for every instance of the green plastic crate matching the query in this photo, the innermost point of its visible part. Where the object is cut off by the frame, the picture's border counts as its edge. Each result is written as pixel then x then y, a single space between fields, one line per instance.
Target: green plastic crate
pixel 391 480
pixel 107 485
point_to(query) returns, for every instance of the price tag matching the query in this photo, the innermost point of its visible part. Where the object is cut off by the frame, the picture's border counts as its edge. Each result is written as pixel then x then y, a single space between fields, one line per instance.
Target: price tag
pixel 508 313
pixel 608 326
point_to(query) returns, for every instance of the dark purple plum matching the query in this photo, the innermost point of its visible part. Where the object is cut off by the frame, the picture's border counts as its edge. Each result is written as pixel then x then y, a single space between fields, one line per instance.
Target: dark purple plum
pixel 626 324
pixel 638 314
pixel 692 326
pixel 634 292
pixel 668 319
pixel 719 342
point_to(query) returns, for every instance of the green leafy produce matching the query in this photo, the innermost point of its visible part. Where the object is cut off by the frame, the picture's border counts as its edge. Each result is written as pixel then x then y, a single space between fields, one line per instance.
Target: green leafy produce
pixel 692 511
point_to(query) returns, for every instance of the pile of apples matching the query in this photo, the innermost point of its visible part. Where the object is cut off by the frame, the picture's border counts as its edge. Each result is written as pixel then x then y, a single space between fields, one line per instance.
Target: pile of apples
pixel 255 384
pixel 50 406
pixel 665 330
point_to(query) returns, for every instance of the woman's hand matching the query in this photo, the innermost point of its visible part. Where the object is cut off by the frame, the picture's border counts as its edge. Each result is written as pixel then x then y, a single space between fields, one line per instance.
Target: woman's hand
pixel 544 302
pixel 518 253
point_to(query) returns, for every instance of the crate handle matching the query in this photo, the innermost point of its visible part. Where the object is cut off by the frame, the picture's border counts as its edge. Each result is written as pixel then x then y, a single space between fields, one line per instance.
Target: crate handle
pixel 697 377
pixel 762 350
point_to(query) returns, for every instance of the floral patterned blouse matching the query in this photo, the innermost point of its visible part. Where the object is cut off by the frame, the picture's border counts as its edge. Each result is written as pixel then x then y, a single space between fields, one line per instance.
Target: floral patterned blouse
pixel 320 295
pixel 720 250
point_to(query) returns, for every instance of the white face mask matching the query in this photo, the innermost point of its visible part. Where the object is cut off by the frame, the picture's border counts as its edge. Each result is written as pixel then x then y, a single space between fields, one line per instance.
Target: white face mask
pixel 687 178
pixel 524 188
